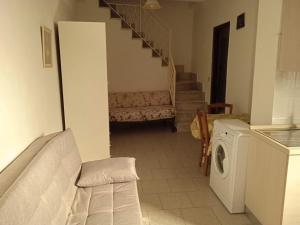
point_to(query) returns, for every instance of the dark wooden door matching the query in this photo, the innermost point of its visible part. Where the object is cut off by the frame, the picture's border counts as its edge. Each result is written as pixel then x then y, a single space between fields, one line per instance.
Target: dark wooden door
pixel 219 63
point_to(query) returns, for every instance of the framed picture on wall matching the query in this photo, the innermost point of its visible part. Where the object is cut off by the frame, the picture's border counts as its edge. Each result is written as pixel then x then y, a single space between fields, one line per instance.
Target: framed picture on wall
pixel 47 46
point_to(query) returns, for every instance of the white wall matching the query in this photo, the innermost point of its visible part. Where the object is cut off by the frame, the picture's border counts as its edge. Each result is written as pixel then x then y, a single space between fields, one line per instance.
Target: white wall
pixel 241 48
pixel 286 107
pixel 29 94
pixel 130 67
pixel 179 17
pixel 84 75
pixel 266 58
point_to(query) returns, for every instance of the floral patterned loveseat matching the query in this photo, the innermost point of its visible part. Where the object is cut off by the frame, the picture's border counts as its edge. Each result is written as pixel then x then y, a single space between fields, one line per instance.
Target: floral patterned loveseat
pixel 140 106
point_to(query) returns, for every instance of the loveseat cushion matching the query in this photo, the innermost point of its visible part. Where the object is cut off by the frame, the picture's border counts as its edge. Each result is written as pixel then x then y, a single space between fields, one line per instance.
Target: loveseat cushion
pixel 141 113
pixel 139 99
pixel 125 114
pixel 111 204
pixel 107 171
pixel 44 192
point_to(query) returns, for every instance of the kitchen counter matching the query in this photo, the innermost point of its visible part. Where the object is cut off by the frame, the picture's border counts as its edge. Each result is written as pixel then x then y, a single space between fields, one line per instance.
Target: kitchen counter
pixel 285 136
pixel 272 193
pixel 288 138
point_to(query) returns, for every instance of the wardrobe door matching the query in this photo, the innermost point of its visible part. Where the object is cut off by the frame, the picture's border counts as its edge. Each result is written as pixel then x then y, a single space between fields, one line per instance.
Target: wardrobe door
pixel 85 93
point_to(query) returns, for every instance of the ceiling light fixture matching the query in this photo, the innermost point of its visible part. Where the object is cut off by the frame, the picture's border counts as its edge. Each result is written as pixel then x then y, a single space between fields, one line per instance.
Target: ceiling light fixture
pixel 152 4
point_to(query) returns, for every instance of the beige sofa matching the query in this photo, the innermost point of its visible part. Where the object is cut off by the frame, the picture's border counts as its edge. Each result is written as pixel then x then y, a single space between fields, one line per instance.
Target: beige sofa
pixel 140 106
pixel 45 192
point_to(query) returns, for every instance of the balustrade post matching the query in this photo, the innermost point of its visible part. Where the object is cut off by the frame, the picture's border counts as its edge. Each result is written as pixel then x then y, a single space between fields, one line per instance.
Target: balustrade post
pixel 170 43
pixel 140 15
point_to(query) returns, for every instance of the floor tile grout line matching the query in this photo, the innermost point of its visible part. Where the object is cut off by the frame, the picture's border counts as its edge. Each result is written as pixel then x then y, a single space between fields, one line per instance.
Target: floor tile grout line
pixel 213 212
pixel 167 149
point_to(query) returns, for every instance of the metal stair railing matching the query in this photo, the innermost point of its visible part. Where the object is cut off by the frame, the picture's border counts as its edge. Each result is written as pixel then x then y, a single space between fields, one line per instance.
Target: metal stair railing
pixel 147 26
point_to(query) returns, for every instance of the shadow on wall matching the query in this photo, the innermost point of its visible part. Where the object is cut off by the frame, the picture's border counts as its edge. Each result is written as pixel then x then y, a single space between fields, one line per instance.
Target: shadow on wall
pixel 65 7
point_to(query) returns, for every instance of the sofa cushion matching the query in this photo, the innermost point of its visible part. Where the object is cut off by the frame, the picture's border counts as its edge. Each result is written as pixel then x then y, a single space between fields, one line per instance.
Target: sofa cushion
pixel 125 114
pixel 45 190
pixel 141 113
pixel 107 171
pixel 158 112
pixel 111 204
pixel 139 99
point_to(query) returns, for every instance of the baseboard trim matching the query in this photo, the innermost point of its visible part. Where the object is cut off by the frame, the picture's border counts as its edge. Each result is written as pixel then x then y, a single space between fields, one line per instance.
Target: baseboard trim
pixel 251 217
pixel 281 120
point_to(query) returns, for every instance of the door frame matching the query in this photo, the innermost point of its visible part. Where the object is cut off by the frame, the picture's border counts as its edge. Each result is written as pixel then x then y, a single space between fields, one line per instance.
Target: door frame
pixel 214 57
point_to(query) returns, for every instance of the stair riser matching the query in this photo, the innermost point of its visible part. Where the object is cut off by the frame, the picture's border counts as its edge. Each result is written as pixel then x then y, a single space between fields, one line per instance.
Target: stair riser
pixel 187 87
pixel 190 97
pixel 186 77
pixel 188 106
pixel 147 44
pixel 188 117
pixel 191 110
pixel 137 35
pixel 183 127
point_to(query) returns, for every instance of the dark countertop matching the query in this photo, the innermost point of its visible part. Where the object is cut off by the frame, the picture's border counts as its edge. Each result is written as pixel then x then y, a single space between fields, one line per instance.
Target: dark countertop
pixel 288 138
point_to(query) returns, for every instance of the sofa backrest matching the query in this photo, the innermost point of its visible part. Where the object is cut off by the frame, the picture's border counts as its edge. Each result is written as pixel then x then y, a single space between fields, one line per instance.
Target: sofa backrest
pixel 44 192
pixel 139 99
pixel 11 172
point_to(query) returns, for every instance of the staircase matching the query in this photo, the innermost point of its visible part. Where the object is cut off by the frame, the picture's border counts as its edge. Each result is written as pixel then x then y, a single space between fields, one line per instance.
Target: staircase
pixel 147 27
pixel 189 98
pixel 144 26
pixel 186 93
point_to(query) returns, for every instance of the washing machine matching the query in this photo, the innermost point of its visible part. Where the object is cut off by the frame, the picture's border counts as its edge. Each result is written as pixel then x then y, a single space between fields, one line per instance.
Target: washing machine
pixel 230 143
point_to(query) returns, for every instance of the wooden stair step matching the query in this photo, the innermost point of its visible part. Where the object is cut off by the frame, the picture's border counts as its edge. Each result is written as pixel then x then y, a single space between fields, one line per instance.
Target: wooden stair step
pixel 114 14
pixel 189 105
pixel 126 25
pixel 137 34
pixel 185 116
pixel 183 127
pixel 156 53
pixel 102 3
pixel 147 44
pixel 188 85
pixel 186 76
pixel 193 95
pixel 165 61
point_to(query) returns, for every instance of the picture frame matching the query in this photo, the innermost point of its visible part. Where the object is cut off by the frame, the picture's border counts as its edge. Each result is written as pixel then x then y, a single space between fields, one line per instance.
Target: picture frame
pixel 47 47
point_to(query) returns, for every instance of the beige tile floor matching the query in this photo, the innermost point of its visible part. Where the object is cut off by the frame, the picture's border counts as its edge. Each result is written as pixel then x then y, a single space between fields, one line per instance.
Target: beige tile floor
pixel 172 189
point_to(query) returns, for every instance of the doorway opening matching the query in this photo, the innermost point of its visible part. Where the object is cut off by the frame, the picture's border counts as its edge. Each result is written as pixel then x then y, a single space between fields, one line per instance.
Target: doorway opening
pixel 219 64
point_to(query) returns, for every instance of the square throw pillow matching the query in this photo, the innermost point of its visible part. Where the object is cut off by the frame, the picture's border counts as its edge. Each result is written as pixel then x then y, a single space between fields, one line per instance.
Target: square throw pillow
pixel 107 171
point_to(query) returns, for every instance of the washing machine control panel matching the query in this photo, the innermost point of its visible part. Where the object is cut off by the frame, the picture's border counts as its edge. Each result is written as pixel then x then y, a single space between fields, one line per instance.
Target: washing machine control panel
pixel 222 133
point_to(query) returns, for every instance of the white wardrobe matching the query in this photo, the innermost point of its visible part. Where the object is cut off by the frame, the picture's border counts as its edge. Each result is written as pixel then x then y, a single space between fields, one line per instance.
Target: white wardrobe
pixel 84 83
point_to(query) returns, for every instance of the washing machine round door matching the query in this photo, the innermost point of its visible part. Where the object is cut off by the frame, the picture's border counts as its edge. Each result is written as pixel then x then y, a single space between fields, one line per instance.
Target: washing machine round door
pixel 220 159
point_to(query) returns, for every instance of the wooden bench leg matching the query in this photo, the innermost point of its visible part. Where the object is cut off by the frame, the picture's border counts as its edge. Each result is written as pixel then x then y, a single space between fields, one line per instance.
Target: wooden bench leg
pixel 173 127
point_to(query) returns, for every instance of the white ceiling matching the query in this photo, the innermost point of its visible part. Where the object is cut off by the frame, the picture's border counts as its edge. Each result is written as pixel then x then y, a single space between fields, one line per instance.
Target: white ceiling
pixel 186 0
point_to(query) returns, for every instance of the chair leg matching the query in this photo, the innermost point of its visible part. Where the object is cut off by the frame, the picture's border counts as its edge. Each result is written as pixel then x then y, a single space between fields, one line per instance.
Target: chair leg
pixel 201 158
pixel 203 155
pixel 207 165
pixel 174 128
